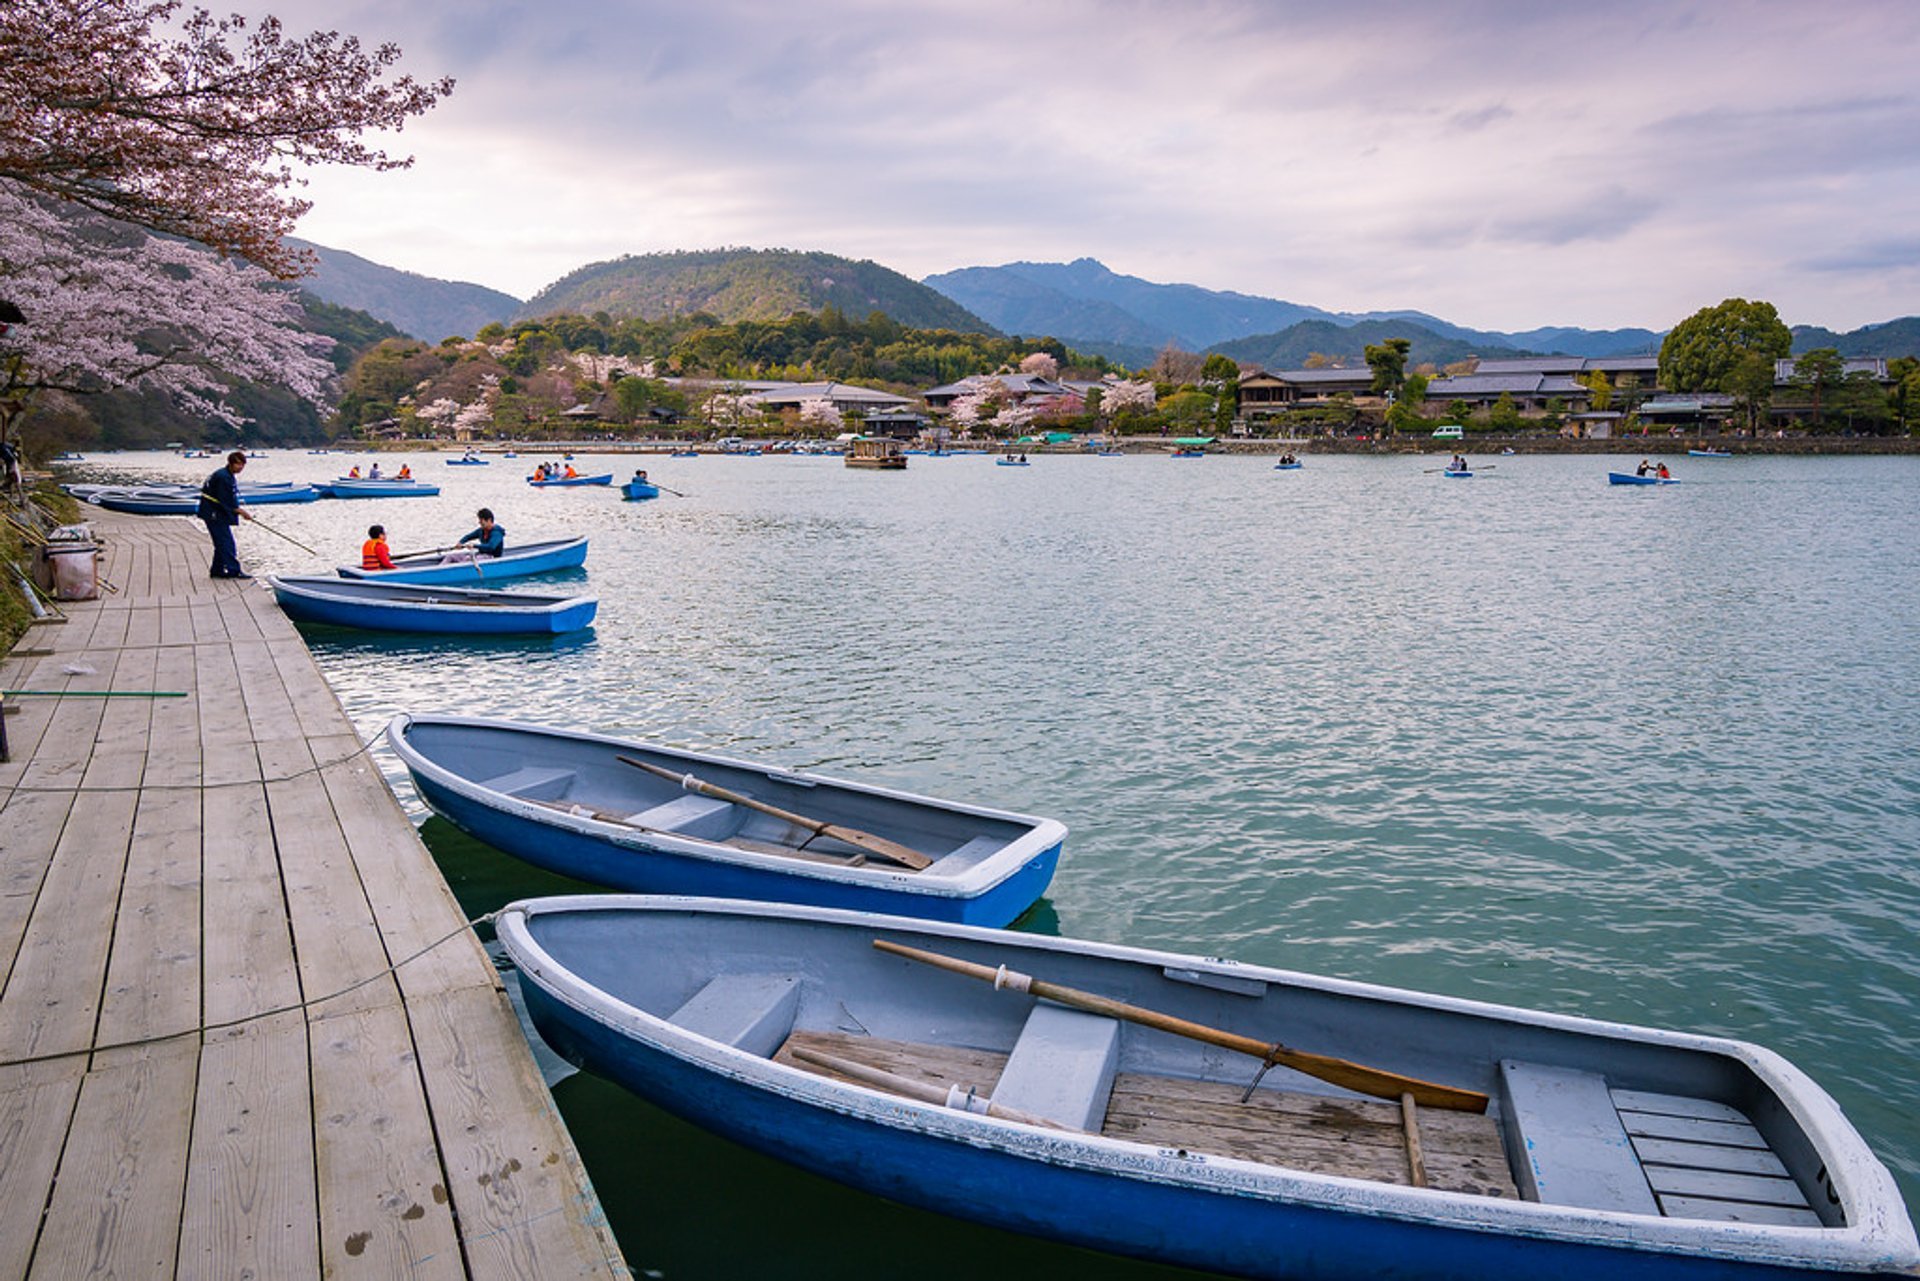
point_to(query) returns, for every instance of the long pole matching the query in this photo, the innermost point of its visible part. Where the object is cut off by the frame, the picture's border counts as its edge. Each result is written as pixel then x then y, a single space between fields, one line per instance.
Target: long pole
pixel 1342 1072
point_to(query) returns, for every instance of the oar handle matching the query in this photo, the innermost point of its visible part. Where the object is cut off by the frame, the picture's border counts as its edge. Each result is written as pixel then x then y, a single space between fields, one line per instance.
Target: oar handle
pixel 1342 1072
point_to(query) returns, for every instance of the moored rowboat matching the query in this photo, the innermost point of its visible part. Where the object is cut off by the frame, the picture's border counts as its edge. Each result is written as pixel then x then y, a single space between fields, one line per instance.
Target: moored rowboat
pixel 570 803
pixel 406 607
pixel 1605 1150
pixel 517 562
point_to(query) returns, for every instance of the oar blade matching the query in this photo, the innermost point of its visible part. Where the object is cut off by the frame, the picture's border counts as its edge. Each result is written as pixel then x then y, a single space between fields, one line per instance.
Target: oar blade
pixel 878 845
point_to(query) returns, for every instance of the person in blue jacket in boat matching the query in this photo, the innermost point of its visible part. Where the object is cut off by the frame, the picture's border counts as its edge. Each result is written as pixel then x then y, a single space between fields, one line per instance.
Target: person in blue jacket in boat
pixel 489 540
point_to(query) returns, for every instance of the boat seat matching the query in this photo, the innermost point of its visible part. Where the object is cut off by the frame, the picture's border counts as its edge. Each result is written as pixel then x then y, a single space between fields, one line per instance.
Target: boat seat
pixel 977 850
pixel 700 817
pixel 532 783
pixel 1566 1142
pixel 1062 1067
pixel 751 1012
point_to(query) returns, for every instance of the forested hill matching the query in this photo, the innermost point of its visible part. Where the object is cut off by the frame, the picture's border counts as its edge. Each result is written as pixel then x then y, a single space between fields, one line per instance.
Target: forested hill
pixel 420 306
pixel 748 284
pixel 1292 347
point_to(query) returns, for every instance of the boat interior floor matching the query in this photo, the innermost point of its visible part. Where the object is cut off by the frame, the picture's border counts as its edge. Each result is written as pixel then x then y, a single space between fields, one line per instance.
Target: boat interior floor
pixel 1351 1138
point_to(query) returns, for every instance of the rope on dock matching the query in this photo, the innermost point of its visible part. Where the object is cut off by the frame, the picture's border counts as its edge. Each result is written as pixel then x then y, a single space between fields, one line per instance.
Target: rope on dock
pixel 76 790
pixel 355 986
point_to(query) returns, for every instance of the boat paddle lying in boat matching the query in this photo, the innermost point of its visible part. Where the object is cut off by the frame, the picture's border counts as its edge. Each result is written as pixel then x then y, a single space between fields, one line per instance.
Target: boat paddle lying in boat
pixel 633 816
pixel 1205 1113
pixel 410 607
pixel 516 562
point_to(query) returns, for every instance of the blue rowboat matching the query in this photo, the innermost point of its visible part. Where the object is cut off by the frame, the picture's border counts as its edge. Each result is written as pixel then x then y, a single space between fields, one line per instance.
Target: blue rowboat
pixel 407 607
pixel 1709 453
pixel 1455 473
pixel 469 461
pixel 606 478
pixel 565 801
pixel 166 501
pixel 1009 462
pixel 277 493
pixel 1286 466
pixel 1628 478
pixel 1606 1150
pixel 684 453
pixel 1188 453
pixel 383 488
pixel 640 489
pixel 517 562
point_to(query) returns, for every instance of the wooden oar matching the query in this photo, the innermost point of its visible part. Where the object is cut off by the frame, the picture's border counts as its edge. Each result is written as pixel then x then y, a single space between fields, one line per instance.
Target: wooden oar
pixel 1342 1072
pixel 737 842
pixel 960 1097
pixel 431 551
pixel 893 851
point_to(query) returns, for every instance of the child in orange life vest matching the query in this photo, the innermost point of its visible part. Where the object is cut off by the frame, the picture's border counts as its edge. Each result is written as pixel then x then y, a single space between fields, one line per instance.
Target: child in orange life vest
pixel 373 552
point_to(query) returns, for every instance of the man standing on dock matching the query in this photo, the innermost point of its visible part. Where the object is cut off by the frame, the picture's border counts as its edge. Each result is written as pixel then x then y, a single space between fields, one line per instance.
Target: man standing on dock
pixel 220 508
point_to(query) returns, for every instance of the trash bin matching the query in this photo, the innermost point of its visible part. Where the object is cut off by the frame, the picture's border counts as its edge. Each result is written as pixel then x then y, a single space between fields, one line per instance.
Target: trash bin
pixel 69 570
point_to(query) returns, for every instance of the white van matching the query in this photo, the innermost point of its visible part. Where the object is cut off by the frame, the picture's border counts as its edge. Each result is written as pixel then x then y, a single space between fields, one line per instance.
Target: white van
pixel 1449 433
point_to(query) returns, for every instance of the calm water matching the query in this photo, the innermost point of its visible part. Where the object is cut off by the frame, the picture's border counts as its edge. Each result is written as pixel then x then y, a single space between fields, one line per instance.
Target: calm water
pixel 1645 754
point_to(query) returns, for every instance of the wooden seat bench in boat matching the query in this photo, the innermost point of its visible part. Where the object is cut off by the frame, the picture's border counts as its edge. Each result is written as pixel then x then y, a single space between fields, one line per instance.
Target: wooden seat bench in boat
pixel 1324 1134
pixel 1575 1141
pixel 700 817
pixel 751 1012
pixel 1062 1067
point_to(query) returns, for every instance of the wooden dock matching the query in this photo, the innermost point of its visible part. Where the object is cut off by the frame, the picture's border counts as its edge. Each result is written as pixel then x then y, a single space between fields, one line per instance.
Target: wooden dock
pixel 207 1066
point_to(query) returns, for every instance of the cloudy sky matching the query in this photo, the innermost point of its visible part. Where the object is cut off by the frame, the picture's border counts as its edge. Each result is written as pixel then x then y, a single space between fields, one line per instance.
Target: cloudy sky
pixel 1500 163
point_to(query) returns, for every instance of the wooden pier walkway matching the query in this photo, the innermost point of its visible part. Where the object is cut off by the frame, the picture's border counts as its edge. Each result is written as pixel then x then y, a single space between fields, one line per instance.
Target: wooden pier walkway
pixel 181 881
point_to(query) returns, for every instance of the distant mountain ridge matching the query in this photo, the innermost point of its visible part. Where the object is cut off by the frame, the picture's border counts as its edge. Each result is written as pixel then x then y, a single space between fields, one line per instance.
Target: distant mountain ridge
pixel 749 284
pixel 1085 304
pixel 418 306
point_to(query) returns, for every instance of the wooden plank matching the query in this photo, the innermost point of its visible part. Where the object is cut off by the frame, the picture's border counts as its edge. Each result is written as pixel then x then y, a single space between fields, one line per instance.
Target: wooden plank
pixel 1728 1134
pixel 173 738
pixel 252 1203
pixel 385 1208
pixel 30 827
pixel 1676 1105
pixel 526 1208
pixel 115 1210
pixel 153 972
pixel 36 1106
pixel 1718 1185
pixel 269 711
pixel 1707 1156
pixel 248 966
pixel 410 900
pixel 217 689
pixel 53 992
pixel 335 941
pixel 1738 1212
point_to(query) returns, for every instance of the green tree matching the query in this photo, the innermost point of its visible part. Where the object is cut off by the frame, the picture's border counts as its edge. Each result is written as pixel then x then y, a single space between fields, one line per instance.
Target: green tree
pixel 1904 400
pixel 1404 413
pixel 1388 361
pixel 1819 372
pixel 1504 416
pixel 1601 390
pixel 1704 351
pixel 1750 382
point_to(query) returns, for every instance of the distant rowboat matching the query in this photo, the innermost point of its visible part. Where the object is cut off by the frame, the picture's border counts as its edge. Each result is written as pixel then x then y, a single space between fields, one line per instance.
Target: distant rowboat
pixel 606 478
pixel 1628 478
pixel 517 562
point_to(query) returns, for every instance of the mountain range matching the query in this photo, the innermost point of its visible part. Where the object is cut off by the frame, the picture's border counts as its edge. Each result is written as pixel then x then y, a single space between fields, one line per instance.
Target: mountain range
pixel 1082 303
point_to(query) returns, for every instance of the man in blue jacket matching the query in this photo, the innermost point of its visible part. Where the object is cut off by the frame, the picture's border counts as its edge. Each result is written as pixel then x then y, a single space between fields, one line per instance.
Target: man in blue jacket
pixel 220 509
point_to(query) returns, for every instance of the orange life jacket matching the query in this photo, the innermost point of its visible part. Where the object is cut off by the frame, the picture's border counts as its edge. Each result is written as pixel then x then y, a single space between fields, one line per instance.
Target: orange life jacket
pixel 374 555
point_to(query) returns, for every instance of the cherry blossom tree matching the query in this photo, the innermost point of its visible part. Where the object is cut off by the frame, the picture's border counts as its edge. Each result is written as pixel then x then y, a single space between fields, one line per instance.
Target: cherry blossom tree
pixel 1012 418
pixel 439 413
pixel 1041 364
pixel 1122 397
pixel 979 402
pixel 820 415
pixel 193 126
pixel 109 306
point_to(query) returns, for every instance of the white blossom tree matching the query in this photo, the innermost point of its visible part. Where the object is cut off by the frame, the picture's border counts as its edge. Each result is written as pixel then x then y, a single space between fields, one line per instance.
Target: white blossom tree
pixel 474 418
pixel 1013 418
pixel 1041 364
pixel 1122 397
pixel 820 415
pixel 439 413
pixel 108 306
